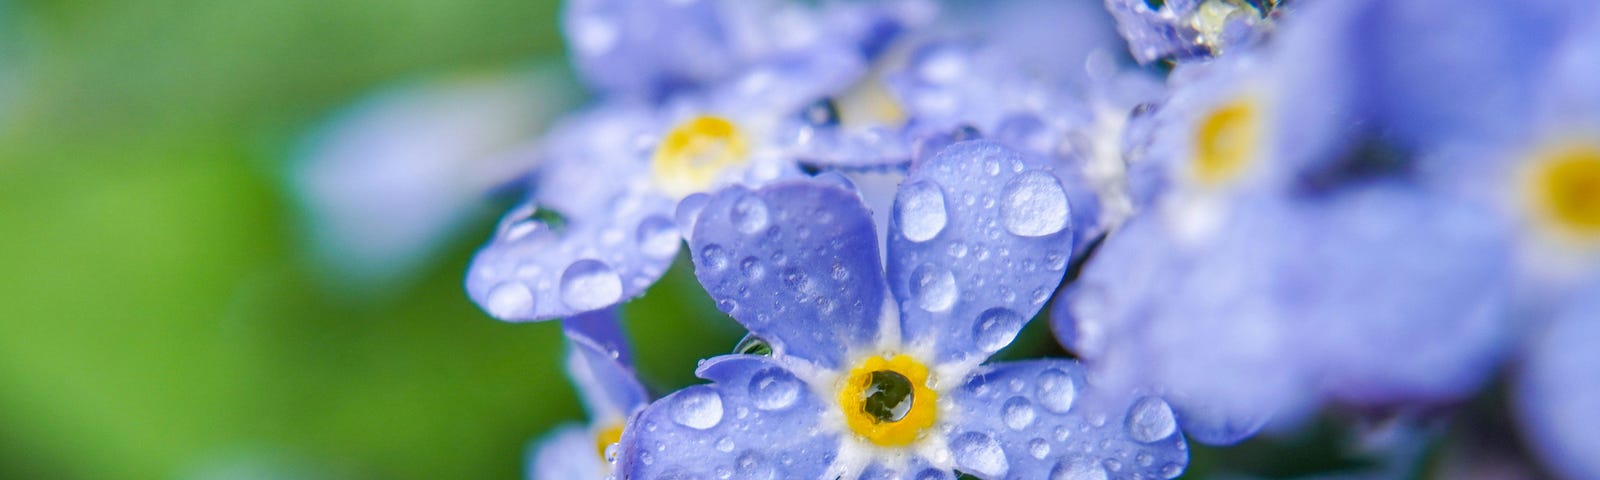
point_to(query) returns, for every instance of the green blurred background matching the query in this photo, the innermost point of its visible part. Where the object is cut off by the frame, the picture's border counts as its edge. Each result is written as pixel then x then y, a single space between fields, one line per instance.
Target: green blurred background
pixel 158 318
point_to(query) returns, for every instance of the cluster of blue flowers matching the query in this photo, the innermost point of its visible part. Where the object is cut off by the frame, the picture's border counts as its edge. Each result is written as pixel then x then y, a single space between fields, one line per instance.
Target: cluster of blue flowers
pixel 1240 212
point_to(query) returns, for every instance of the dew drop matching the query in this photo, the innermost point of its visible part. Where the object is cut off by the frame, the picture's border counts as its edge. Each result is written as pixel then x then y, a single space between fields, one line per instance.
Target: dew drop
pixel 749 214
pixel 920 211
pixel 774 389
pixel 1017 413
pixel 934 287
pixel 699 409
pixel 657 237
pixel 714 256
pixel 510 299
pixel 995 329
pixel 1056 391
pixel 1038 448
pixel 1077 470
pixel 590 284
pixel 1035 205
pixel 980 453
pixel 752 268
pixel 1151 420
pixel 725 445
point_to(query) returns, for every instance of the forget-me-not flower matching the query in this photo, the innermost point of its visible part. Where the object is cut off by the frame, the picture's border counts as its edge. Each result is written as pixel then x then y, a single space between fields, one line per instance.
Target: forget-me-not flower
pixel 876 376
pixel 1191 29
pixel 598 363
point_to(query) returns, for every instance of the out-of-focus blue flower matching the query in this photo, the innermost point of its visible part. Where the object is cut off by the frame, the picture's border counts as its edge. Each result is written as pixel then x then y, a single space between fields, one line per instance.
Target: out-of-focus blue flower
pixel 1190 29
pixel 864 382
pixel 597 362
pixel 1557 390
pixel 649 49
pixel 386 181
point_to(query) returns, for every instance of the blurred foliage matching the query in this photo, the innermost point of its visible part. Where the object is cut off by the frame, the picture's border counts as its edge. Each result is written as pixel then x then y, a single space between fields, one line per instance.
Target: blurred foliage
pixel 156 319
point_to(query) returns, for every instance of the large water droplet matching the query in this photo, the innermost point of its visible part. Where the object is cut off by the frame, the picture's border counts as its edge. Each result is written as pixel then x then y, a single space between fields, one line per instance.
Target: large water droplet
pixel 699 408
pixel 888 396
pixel 1151 420
pixel 590 284
pixel 774 389
pixel 657 237
pixel 1035 205
pixel 749 214
pixel 980 453
pixel 752 268
pixel 920 211
pixel 714 257
pixel 995 329
pixel 752 345
pixel 1078 469
pixel 1056 391
pixel 1017 413
pixel 934 287
pixel 1038 448
pixel 510 299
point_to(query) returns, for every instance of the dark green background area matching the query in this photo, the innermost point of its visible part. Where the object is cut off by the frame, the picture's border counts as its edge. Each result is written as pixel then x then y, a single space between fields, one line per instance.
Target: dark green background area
pixel 157 317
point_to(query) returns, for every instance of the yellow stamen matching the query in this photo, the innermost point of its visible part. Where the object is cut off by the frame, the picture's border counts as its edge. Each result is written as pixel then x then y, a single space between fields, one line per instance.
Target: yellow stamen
pixel 858 386
pixel 1225 142
pixel 605 437
pixel 696 152
pixel 1564 189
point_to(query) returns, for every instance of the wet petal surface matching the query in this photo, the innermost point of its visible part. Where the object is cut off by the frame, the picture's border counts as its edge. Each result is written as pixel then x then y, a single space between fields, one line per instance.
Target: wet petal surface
pixel 796 263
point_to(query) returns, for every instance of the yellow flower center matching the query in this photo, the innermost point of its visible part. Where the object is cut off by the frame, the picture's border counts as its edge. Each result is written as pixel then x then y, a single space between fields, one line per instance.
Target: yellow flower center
pixel 1225 142
pixel 605 437
pixel 1564 189
pixel 696 152
pixel 887 401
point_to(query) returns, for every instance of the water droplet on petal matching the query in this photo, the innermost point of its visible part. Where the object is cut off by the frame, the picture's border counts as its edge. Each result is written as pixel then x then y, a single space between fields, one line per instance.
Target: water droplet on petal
pixel 920 211
pixel 980 453
pixel 657 237
pixel 1017 413
pixel 934 287
pixel 590 284
pixel 1078 469
pixel 714 256
pixel 1038 448
pixel 725 445
pixel 699 408
pixel 1056 391
pixel 509 299
pixel 1151 420
pixel 1035 205
pixel 995 329
pixel 774 389
pixel 752 268
pixel 749 214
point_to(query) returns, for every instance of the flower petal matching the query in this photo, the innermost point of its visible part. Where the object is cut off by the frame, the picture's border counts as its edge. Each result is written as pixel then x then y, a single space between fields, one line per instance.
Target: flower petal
pixel 538 270
pixel 978 241
pixel 795 262
pixel 1557 391
pixel 757 420
pixel 568 452
pixel 1041 419
pixel 609 389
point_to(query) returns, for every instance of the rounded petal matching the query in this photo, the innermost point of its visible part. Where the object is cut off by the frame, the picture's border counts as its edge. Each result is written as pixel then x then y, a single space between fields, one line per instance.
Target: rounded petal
pixel 1041 419
pixel 566 453
pixel 795 262
pixel 757 420
pixel 538 269
pixel 978 242
pixel 1557 391
pixel 609 388
pixel 602 327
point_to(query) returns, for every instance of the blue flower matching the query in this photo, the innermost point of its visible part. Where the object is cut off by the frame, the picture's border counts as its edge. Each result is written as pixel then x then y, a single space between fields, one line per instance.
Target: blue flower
pixel 1190 29
pixel 388 181
pixel 878 376
pixel 653 48
pixel 1556 390
pixel 597 362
